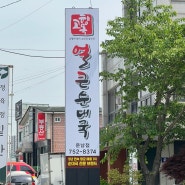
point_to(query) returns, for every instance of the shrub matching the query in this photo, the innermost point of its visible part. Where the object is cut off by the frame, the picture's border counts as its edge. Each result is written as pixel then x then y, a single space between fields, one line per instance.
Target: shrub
pixel 103 181
pixel 128 176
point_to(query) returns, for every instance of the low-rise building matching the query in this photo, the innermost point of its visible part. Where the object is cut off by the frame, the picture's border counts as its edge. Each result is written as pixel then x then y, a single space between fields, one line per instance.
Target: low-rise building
pixel 41 130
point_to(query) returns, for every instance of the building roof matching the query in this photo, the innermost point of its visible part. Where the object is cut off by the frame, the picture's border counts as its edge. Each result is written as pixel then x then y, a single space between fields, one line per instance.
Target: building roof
pixel 46 109
pixel 50 109
pixel 54 109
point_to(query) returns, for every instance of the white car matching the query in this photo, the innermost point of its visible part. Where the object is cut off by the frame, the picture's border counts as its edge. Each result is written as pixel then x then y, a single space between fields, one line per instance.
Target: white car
pixel 19 178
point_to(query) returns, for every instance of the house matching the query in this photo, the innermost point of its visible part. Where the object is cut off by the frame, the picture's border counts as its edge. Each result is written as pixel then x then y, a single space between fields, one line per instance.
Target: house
pixel 41 130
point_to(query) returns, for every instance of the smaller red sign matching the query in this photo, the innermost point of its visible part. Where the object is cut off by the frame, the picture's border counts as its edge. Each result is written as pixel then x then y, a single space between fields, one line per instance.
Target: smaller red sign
pixel 41 126
pixel 82 24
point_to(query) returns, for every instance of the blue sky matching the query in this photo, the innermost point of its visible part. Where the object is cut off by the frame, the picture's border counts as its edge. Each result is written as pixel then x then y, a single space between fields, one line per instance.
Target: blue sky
pixel 36 28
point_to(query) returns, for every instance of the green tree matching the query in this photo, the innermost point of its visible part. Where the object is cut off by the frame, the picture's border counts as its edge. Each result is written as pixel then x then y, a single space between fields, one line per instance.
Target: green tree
pixel 152 43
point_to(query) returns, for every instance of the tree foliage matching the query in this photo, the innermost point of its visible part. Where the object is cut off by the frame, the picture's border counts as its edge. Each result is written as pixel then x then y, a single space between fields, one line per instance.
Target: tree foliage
pixel 152 44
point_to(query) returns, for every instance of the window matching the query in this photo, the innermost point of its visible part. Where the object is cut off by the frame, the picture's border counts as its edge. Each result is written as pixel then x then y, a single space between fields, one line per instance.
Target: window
pixel 26 169
pixel 20 136
pixel 146 101
pixel 13 168
pixel 114 103
pixel 134 107
pixel 111 104
pixel 57 119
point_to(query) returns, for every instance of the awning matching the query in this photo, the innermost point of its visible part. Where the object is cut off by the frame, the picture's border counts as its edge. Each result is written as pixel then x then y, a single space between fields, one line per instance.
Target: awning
pixel 27 147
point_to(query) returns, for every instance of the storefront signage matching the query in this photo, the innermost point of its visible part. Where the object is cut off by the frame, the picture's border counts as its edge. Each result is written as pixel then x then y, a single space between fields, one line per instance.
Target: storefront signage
pixel 82 84
pixel 41 126
pixel 4 91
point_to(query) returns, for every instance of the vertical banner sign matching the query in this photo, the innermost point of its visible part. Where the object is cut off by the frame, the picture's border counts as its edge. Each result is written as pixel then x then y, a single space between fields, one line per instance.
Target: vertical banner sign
pixel 41 126
pixel 4 90
pixel 82 88
pixel 18 110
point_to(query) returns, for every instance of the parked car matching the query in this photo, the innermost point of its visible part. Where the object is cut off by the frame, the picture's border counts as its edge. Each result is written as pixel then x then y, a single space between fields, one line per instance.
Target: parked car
pixel 20 166
pixel 19 178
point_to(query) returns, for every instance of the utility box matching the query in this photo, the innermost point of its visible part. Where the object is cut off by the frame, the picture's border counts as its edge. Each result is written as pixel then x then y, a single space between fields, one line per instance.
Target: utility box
pixel 52 169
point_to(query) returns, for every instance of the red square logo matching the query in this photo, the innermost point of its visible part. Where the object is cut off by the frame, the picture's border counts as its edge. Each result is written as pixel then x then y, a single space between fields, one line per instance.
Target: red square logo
pixel 82 24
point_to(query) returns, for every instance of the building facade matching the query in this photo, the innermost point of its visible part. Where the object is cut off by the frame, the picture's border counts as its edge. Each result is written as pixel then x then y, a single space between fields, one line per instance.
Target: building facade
pixel 111 102
pixel 41 135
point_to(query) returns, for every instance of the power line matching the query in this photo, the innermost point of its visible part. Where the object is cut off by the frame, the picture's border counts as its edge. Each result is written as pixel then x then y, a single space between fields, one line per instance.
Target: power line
pixel 33 77
pixel 18 91
pixel 10 25
pixel 10 4
pixel 23 49
pixel 26 55
pixel 33 73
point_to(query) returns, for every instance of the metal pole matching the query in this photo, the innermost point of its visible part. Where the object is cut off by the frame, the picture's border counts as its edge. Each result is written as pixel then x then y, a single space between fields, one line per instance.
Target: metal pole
pixel 11 119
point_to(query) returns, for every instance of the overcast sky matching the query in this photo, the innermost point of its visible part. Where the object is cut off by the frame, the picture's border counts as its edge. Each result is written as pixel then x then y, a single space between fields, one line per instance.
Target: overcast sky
pixel 36 28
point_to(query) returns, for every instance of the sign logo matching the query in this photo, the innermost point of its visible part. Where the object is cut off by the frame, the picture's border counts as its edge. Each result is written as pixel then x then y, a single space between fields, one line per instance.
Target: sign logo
pixel 82 24
pixel 3 72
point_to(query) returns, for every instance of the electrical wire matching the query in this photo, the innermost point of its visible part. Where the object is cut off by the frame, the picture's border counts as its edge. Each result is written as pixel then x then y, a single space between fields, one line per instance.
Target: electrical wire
pixel 38 72
pixel 26 55
pixel 33 77
pixel 30 77
pixel 10 25
pixel 21 49
pixel 10 4
pixel 54 76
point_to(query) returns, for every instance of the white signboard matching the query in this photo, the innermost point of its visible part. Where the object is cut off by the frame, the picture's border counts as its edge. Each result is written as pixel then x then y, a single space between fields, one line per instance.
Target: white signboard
pixel 82 82
pixel 4 86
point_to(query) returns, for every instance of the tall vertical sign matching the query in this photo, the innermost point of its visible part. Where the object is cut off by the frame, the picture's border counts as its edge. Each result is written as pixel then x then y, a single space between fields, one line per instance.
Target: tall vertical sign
pixel 4 90
pixel 82 96
pixel 18 110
